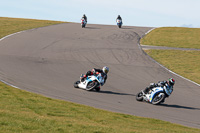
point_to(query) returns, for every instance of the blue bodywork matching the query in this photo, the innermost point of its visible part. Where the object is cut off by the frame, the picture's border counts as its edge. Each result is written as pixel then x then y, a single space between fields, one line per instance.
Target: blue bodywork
pixel 119 23
pixel 154 92
pixel 99 78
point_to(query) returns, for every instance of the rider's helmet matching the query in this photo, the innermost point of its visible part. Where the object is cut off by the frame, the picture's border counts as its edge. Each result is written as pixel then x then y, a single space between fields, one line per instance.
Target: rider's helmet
pixel 83 15
pixel 105 69
pixel 118 15
pixel 171 81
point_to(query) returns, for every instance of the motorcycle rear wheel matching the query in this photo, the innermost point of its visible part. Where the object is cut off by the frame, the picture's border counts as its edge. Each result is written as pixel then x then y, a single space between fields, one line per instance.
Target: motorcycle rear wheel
pixel 91 85
pixel 157 99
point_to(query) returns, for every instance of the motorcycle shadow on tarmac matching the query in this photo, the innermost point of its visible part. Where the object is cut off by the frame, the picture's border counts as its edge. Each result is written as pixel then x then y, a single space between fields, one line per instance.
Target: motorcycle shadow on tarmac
pixel 178 106
pixel 115 93
pixel 92 28
pixel 126 28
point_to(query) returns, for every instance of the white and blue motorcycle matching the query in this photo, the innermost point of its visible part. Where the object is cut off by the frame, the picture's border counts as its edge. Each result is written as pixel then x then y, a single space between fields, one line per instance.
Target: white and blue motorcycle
pixel 92 82
pixel 119 23
pixel 83 23
pixel 155 96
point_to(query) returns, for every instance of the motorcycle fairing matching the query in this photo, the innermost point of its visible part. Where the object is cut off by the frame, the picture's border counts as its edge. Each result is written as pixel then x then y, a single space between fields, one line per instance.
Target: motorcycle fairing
pixel 154 92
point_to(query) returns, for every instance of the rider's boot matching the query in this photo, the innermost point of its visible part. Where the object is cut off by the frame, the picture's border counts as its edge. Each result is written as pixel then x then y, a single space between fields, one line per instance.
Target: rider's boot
pixel 163 100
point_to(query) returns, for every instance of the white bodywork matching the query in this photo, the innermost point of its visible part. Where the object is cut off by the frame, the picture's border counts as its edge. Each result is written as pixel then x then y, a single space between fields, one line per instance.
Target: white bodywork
pixel 119 21
pixel 83 21
pixel 91 78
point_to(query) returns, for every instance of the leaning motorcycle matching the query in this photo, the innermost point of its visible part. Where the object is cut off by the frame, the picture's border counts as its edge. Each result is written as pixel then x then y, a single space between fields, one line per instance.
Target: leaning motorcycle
pixel 92 82
pixel 83 23
pixel 119 23
pixel 155 96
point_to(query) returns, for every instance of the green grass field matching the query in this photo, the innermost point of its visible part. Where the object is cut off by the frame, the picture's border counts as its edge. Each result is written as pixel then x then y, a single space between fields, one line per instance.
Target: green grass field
pixel 173 37
pixel 12 25
pixel 185 63
pixel 21 111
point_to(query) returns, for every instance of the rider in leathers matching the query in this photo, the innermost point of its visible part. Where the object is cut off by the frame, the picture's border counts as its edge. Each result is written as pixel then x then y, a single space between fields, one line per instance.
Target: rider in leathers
pixel 95 71
pixel 165 84
pixel 119 17
pixel 84 17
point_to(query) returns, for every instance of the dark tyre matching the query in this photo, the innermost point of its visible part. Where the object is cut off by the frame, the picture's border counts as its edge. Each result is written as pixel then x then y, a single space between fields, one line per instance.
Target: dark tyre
pixel 76 84
pixel 158 98
pixel 91 85
pixel 139 96
pixel 83 25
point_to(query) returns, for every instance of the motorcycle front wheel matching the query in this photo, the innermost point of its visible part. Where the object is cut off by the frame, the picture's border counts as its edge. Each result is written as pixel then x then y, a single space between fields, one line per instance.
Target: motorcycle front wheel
pixel 158 98
pixel 139 96
pixel 76 84
pixel 83 25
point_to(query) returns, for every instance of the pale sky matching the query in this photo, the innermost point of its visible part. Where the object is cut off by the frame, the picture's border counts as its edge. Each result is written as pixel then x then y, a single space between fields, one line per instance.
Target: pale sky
pixel 149 13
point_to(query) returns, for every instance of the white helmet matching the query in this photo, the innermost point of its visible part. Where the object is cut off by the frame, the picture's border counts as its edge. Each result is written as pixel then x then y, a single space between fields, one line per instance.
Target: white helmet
pixel 105 69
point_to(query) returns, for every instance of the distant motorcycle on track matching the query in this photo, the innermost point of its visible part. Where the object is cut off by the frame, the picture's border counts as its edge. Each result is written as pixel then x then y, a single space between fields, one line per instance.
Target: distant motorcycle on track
pixel 119 23
pixel 83 23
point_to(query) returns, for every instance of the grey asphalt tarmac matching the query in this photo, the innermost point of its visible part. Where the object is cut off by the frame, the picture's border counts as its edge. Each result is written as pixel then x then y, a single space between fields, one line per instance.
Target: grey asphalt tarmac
pixel 49 60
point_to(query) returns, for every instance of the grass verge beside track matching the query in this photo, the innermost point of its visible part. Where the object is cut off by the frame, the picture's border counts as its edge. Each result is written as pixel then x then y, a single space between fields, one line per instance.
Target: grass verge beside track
pixel 13 25
pixel 21 111
pixel 184 63
pixel 173 37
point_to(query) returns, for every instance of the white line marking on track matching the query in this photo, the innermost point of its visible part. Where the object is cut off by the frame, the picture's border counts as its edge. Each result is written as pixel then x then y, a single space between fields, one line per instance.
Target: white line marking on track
pixel 1 40
pixel 9 84
pixel 11 35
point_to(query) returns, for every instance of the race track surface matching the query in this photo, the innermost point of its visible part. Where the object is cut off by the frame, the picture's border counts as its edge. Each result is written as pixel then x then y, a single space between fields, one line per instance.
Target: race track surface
pixel 49 60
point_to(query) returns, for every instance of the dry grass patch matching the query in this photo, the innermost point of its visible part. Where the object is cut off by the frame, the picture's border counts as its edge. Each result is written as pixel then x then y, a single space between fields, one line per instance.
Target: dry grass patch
pixel 21 111
pixel 185 63
pixel 173 37
pixel 12 25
